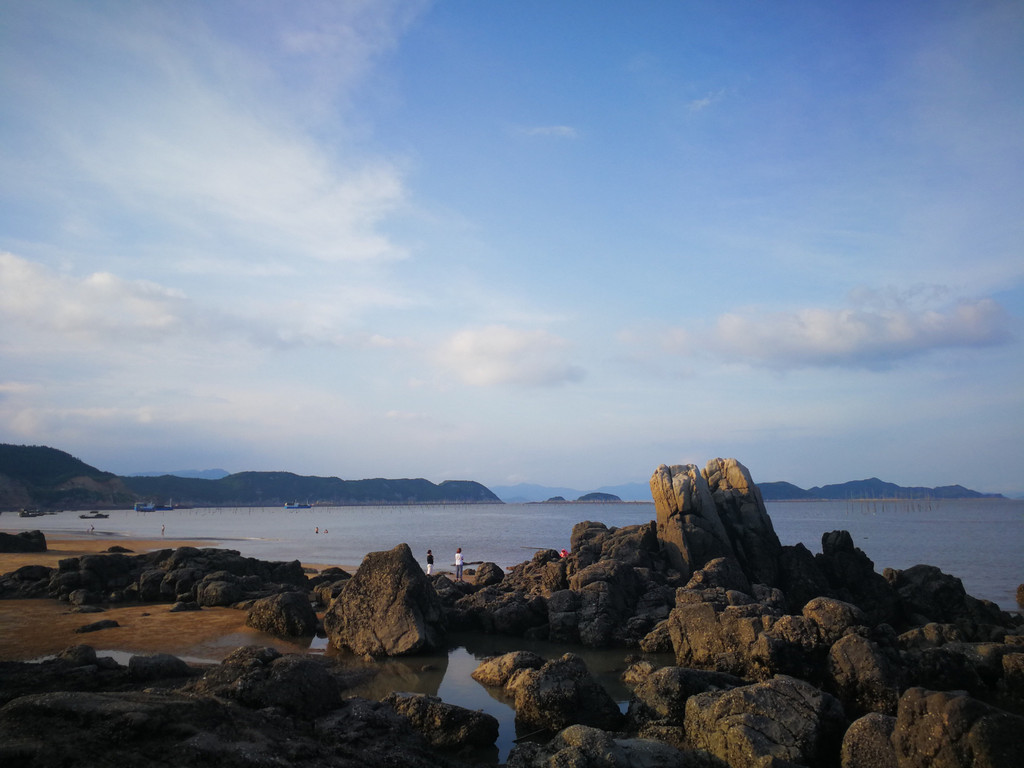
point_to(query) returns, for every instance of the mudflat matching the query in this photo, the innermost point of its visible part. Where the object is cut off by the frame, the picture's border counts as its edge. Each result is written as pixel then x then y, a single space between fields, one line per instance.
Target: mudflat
pixel 31 629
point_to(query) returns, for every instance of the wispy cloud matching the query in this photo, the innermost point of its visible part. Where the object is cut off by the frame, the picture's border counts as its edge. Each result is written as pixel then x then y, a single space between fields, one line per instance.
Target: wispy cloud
pixel 499 355
pixel 556 131
pixel 699 105
pixel 861 337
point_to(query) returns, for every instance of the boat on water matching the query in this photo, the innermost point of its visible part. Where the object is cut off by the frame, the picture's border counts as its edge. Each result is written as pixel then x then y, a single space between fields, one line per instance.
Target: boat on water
pixel 31 513
pixel 141 506
pixel 296 505
pixel 94 515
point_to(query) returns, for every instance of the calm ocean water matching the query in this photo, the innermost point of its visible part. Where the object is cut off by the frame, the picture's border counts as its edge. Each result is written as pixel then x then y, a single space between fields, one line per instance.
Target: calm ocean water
pixel 980 541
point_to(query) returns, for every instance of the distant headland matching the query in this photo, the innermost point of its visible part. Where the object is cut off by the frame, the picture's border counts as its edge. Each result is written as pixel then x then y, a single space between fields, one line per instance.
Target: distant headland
pixel 47 478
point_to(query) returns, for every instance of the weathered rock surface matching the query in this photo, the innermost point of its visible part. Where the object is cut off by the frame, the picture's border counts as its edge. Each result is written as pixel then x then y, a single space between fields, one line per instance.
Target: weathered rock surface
pixel 388 608
pixel 580 746
pixel 784 718
pixel 717 512
pixel 552 696
pixel 445 726
pixel 867 743
pixel 938 729
pixel 288 614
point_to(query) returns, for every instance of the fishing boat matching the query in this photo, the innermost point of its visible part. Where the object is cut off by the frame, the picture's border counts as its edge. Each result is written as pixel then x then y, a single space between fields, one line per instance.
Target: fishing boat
pixel 296 505
pixel 31 513
pixel 94 515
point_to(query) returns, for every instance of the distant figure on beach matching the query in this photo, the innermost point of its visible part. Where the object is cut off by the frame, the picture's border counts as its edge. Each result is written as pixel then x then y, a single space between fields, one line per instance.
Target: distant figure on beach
pixel 430 562
pixel 318 529
pixel 458 564
pixel 92 528
pixel 564 552
pixel 162 529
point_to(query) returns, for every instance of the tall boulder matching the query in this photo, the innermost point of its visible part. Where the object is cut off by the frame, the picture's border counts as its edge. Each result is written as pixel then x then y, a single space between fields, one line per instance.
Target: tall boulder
pixel 389 608
pixel 715 512
pixel 742 512
pixel 689 527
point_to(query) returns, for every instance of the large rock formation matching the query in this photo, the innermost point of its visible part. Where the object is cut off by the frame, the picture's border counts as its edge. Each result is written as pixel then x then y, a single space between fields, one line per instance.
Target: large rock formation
pixel 389 608
pixel 717 512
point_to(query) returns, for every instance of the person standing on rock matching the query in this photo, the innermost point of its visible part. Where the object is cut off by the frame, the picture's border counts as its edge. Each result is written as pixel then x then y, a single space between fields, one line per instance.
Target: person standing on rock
pixel 458 564
pixel 430 562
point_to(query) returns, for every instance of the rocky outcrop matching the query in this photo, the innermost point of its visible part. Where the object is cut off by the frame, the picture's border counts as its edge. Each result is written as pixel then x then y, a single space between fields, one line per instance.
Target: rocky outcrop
pixel 717 512
pixel 26 541
pixel 208 576
pixel 389 608
pixel 256 708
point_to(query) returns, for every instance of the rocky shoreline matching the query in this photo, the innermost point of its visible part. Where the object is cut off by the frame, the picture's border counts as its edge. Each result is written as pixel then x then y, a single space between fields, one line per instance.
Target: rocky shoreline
pixel 782 657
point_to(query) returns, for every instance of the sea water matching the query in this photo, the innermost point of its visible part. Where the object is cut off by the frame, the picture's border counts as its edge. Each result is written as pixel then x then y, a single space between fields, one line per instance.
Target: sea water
pixel 979 541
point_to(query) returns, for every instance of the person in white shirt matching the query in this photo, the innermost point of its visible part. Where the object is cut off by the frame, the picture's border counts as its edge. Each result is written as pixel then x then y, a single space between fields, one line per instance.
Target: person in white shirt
pixel 458 564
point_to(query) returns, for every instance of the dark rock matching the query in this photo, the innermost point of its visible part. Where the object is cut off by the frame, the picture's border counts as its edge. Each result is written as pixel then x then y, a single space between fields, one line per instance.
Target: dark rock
pixel 183 607
pixel 783 718
pixel 26 541
pixel 488 574
pixel 562 692
pixel 288 614
pixel 96 626
pixel 938 728
pixel 658 705
pixel 868 742
pixel 219 588
pixel 159 666
pixel 258 677
pixel 580 746
pixel 389 608
pixel 445 726
pixel 801 577
pixel 851 576
pixel 927 594
pixel 863 677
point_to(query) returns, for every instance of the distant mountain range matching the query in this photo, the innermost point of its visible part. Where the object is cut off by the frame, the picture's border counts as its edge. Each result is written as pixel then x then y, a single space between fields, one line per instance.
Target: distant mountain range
pixel 38 476
pixel 47 478
pixel 873 488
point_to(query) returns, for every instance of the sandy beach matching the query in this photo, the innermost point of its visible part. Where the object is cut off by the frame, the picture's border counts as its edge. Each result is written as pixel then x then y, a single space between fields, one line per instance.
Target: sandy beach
pixel 30 629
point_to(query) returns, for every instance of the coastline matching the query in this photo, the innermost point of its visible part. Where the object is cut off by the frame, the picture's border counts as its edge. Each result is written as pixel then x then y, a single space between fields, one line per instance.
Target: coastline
pixel 35 628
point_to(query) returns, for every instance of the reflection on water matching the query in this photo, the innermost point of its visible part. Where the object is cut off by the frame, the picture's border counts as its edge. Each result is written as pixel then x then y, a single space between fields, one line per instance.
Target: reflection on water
pixel 448 676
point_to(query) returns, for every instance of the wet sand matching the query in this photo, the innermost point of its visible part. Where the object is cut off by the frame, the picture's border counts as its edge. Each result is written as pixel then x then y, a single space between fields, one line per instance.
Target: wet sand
pixel 31 629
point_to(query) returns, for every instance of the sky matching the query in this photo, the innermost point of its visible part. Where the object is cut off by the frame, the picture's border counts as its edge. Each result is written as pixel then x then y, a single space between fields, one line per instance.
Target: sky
pixel 556 243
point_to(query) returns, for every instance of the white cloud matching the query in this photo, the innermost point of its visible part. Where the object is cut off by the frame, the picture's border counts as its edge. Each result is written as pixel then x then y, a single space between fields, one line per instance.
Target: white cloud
pixel 867 337
pixel 100 305
pixel 498 355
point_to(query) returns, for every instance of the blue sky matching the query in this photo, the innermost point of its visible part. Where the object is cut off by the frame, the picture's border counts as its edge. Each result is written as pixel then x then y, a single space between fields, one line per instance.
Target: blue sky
pixel 558 243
